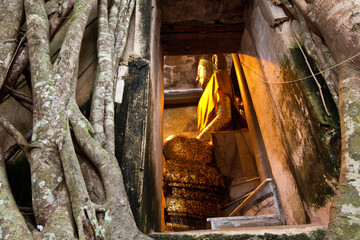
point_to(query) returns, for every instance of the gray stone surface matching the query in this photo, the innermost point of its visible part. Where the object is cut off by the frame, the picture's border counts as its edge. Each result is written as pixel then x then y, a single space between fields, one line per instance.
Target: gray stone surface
pixel 180 72
pixel 300 232
pixel 245 221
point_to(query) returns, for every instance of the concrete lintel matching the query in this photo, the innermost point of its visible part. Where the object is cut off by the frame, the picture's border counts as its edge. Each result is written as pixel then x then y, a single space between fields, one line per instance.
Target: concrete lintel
pixel 308 231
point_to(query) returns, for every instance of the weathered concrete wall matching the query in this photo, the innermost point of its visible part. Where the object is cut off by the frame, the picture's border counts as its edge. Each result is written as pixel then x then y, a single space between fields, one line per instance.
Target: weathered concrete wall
pixel 288 115
pixel 180 71
pixel 139 119
pixel 180 120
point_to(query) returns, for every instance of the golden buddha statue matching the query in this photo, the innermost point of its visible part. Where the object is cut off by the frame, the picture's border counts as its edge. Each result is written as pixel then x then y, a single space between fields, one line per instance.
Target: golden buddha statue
pixel 193 186
pixel 215 105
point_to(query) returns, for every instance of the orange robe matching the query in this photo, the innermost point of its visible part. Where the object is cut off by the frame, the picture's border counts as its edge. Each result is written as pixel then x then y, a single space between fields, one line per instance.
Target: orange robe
pixel 210 98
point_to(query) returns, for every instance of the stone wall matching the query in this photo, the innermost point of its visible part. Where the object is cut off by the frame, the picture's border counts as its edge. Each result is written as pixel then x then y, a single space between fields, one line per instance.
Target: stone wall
pixel 180 120
pixel 290 119
pixel 180 72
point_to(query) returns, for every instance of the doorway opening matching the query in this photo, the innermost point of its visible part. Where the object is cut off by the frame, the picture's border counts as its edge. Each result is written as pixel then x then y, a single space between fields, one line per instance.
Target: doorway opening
pixel 191 200
pixel 293 132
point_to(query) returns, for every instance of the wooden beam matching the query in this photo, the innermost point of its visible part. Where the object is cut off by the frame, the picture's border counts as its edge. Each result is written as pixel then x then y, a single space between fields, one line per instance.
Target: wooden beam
pixel 182 96
pixel 262 161
pixel 199 27
pixel 200 43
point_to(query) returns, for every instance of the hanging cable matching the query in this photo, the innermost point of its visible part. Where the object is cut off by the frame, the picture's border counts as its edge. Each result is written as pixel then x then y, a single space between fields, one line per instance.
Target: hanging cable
pixel 304 78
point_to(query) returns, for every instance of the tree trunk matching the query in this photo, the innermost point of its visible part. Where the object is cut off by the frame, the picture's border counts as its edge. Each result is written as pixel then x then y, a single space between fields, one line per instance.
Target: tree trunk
pixel 52 86
pixel 12 223
pixel 339 24
pixel 10 20
pixel 73 196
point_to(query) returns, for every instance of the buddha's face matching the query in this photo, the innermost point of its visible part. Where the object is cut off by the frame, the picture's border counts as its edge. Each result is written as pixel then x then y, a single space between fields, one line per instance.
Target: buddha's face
pixel 204 74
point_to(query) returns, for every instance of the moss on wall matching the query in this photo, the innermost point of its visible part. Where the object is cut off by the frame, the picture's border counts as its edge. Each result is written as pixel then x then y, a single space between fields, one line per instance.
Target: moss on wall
pixel 309 177
pixel 324 162
pixel 328 125
pixel 313 92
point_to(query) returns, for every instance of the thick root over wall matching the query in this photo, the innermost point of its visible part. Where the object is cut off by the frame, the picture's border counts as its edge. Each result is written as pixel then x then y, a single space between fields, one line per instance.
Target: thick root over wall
pixel 77 185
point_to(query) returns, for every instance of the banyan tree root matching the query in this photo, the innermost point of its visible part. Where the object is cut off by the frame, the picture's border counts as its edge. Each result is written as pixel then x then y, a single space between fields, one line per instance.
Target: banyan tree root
pixel 62 204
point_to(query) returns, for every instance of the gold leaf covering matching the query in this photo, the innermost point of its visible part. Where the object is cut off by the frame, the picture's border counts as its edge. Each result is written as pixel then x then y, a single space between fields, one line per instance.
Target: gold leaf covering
pixel 197 194
pixel 178 147
pixel 188 174
pixel 186 207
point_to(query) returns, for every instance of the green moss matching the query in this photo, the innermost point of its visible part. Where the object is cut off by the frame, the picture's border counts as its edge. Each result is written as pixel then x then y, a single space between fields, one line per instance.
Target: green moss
pixel 332 141
pixel 313 91
pixel 329 126
pixel 325 160
pixel 322 192
pixel 344 230
pixel 354 139
pixel 349 194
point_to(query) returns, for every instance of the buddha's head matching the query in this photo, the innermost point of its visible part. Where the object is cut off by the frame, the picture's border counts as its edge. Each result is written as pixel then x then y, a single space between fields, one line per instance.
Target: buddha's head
pixel 208 64
pixel 219 62
pixel 205 70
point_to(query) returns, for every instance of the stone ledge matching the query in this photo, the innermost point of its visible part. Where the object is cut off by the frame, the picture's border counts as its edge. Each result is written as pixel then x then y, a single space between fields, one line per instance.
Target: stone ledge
pixel 298 232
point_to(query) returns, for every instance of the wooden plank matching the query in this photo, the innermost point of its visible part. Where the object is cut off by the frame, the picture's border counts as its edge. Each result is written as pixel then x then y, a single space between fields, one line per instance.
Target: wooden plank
pixel 262 161
pixel 245 221
pixel 200 43
pixel 85 84
pixel 251 196
pixel 200 27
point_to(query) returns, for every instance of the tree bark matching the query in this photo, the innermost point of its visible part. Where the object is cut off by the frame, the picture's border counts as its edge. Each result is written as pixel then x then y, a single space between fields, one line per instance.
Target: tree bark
pixel 61 200
pixel 57 12
pixel 339 24
pixel 52 86
pixel 12 223
pixel 10 20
